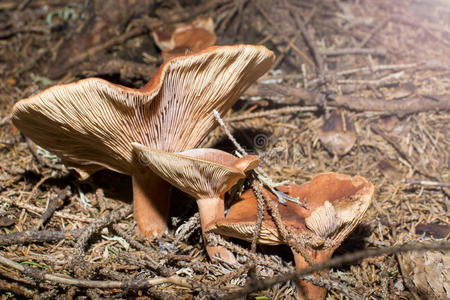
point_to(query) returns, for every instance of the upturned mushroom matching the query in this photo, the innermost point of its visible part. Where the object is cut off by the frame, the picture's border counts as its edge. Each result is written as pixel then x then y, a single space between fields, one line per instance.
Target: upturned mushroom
pixel 186 38
pixel 335 203
pixel 91 124
pixel 205 174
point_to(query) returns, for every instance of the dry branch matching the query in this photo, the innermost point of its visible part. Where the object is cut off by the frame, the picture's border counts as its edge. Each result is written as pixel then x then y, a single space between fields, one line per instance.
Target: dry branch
pixel 256 285
pixel 32 236
pixel 442 103
pixel 62 279
pixel 54 203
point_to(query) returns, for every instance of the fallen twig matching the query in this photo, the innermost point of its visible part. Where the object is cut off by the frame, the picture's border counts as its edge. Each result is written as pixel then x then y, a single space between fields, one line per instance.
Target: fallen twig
pixel 345 51
pixel 261 284
pixel 97 48
pixel 53 204
pixel 30 29
pixel 426 182
pixel 271 113
pixel 113 217
pixel 102 284
pixel 150 253
pixel 310 42
pixel 260 216
pixel 5 120
pixel 395 106
pixel 32 236
pixel 373 31
pixel 16 289
pixel 39 210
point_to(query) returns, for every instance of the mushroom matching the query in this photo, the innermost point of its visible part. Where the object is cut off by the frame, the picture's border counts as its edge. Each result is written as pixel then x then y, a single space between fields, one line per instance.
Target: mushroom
pixel 192 37
pixel 335 203
pixel 338 133
pixel 91 124
pixel 205 174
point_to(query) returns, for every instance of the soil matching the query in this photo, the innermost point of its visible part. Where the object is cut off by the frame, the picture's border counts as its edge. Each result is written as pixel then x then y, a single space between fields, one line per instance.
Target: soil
pixel 358 87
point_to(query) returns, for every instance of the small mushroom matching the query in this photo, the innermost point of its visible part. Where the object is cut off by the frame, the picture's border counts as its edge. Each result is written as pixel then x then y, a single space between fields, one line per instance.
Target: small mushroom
pixel 192 37
pixel 91 124
pixel 205 174
pixel 335 203
pixel 338 133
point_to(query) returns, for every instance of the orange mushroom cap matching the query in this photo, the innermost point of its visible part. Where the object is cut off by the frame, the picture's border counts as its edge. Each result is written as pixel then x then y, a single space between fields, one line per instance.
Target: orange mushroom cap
pixel 192 37
pixel 335 204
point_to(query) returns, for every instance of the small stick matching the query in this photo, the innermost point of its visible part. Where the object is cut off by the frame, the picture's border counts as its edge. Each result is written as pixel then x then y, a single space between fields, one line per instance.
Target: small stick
pixel 80 266
pixel 367 69
pixel 373 31
pixel 100 195
pixel 5 120
pixel 53 204
pixel 260 216
pixel 260 173
pixel 97 48
pixel 426 182
pixel 113 217
pixel 283 35
pixel 310 42
pixel 333 284
pixel 16 289
pixel 38 210
pixel 102 284
pixel 36 186
pixel 346 51
pixel 32 236
pixel 185 230
pixel 258 259
pixel 29 29
pixel 151 253
pixel 412 105
pixel 272 113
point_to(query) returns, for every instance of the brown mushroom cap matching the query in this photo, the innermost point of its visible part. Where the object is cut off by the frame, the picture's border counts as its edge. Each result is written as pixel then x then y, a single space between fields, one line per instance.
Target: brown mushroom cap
pixel 192 37
pixel 338 133
pixel 335 203
pixel 91 124
pixel 202 173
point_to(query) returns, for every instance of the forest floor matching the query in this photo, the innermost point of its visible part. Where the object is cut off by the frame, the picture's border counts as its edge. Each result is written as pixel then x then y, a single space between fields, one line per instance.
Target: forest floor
pixel 379 69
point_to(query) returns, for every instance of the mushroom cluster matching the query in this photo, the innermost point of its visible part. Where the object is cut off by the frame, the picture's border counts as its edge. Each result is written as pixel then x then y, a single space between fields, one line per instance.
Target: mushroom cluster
pixel 335 205
pixel 91 124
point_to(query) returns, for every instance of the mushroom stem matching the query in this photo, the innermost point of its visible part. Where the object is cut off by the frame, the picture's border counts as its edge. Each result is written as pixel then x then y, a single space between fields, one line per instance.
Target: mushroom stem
pixel 151 198
pixel 211 209
pixel 305 289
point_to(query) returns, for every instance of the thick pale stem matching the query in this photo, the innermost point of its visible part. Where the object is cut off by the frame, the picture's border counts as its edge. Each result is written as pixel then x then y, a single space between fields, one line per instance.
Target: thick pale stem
pixel 211 209
pixel 305 289
pixel 151 198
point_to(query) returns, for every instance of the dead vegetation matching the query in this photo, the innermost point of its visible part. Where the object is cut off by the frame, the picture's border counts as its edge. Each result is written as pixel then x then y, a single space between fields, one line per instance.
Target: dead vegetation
pixel 381 68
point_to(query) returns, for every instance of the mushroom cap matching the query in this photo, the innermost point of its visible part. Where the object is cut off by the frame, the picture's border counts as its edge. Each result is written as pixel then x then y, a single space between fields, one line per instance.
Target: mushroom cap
pixel 338 133
pixel 91 124
pixel 202 173
pixel 335 203
pixel 192 37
